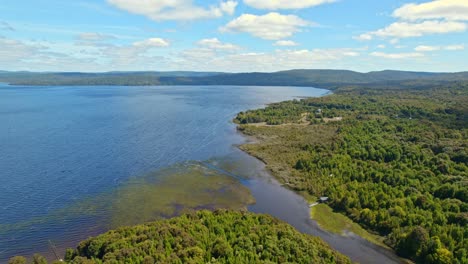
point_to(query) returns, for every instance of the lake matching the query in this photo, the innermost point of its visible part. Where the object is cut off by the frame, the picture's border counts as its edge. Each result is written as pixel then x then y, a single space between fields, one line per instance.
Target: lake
pixel 76 161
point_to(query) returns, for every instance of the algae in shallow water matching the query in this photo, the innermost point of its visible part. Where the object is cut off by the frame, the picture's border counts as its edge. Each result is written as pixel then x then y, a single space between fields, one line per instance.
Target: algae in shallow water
pixel 174 191
pixel 161 194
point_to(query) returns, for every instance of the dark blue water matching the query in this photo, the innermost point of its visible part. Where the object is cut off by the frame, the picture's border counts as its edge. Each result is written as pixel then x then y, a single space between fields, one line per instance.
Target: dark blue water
pixel 61 145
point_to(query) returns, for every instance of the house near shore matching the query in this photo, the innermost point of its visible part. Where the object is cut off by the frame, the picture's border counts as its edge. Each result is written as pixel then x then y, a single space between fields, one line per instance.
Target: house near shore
pixel 323 199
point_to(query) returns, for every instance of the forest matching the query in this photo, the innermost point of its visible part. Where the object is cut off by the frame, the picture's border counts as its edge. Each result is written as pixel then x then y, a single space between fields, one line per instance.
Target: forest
pixel 329 79
pixel 393 159
pixel 203 237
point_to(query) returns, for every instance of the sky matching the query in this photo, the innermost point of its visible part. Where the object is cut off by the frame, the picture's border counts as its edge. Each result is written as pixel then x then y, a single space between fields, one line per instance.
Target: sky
pixel 233 35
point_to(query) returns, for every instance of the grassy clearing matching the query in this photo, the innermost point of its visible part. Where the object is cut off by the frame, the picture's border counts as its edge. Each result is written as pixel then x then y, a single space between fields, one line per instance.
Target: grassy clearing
pixel 339 224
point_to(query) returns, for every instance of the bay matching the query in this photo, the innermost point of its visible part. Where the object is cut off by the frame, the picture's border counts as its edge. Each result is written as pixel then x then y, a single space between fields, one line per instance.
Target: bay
pixel 69 153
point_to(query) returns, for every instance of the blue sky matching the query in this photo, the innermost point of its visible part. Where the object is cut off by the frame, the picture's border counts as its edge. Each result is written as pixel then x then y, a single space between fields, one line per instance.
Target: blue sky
pixel 233 35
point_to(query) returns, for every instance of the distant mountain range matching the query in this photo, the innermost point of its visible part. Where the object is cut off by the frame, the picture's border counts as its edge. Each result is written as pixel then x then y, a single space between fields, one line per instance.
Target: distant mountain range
pixel 318 78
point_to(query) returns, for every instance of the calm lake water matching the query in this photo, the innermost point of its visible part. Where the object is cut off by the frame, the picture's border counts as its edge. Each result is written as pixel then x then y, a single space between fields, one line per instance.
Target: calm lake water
pixel 61 147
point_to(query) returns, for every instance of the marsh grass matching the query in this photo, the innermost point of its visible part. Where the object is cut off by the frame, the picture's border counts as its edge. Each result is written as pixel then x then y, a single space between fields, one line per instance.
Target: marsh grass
pixel 340 224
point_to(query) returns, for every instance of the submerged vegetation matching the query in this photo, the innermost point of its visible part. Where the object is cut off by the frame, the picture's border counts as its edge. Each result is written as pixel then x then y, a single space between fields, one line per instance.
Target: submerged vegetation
pixel 394 160
pixel 157 195
pixel 176 190
pixel 205 237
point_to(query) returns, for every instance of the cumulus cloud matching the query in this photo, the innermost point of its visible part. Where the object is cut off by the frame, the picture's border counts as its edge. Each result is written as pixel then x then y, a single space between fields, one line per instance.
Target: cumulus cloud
pixel 397 55
pixel 174 9
pixel 139 55
pixel 272 26
pixel 216 44
pixel 439 9
pixel 406 30
pixel 228 7
pixel 285 4
pixel 417 20
pixel 363 37
pixel 263 61
pixel 151 43
pixel 285 43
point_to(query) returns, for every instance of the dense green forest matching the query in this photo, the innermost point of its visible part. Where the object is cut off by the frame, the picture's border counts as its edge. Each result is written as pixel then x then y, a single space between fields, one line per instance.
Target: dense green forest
pixel 204 237
pixel 394 159
pixel 330 79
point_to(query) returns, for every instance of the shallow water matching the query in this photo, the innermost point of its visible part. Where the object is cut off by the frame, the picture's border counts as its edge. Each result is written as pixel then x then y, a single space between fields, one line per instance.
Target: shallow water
pixel 67 151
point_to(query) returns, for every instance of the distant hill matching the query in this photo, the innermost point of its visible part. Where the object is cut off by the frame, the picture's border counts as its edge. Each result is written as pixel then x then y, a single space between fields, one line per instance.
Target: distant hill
pixel 318 78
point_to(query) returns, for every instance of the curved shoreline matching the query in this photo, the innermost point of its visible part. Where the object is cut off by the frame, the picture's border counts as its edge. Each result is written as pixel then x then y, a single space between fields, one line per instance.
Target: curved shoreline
pixel 354 246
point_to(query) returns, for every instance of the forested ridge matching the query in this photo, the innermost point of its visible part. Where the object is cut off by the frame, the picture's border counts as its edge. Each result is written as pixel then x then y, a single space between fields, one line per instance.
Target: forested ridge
pixel 393 160
pixel 330 79
pixel 204 237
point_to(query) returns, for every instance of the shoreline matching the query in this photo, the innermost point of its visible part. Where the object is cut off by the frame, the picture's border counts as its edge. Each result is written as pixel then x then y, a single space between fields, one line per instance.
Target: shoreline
pixel 346 231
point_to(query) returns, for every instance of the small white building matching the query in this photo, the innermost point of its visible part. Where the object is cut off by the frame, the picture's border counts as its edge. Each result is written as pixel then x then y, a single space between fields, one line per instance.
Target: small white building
pixel 323 199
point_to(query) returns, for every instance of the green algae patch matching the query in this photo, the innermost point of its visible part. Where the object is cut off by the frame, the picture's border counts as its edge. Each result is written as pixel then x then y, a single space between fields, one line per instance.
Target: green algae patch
pixel 161 194
pixel 174 191
pixel 340 224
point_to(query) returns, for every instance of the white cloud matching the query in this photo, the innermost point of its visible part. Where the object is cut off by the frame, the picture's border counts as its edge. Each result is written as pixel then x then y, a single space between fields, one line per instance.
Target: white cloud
pixel 424 48
pixel 363 37
pixel 174 9
pixel 228 7
pixel 203 59
pixel 29 55
pixel 216 44
pixel 406 30
pixel 397 55
pixel 272 26
pixel 152 43
pixel 286 43
pixel 439 9
pixel 207 55
pixel 12 51
pixel 381 46
pixel 454 47
pixel 285 4
pixel 417 20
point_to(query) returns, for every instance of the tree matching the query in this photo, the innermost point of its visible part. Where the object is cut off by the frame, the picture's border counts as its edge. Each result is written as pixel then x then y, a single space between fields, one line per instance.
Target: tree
pixel 17 260
pixel 38 259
